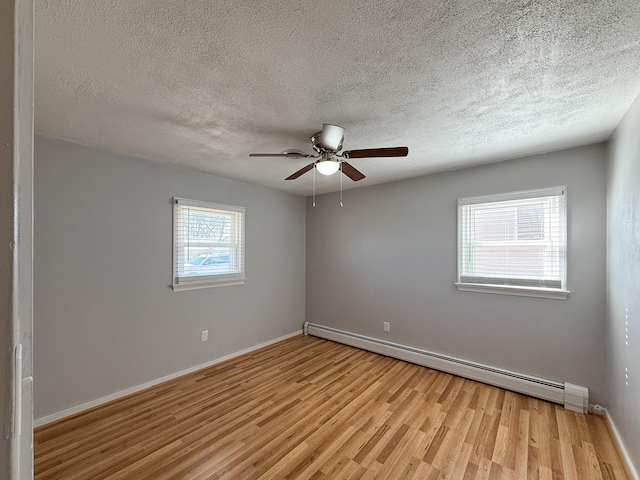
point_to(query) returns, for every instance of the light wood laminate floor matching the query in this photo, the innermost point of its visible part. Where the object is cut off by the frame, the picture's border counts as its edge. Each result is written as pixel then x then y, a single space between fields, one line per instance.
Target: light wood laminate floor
pixel 307 408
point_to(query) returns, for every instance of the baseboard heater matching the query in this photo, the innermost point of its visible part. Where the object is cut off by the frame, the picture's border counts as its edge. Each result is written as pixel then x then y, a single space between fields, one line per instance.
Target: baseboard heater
pixel 573 397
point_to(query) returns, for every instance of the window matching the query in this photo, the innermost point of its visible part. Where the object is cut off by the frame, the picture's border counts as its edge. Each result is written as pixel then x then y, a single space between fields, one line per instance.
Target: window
pixel 208 244
pixel 515 243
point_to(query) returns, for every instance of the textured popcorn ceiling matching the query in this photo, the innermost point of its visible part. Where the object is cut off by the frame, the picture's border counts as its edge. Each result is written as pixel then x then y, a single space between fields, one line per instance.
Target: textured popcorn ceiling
pixel 201 84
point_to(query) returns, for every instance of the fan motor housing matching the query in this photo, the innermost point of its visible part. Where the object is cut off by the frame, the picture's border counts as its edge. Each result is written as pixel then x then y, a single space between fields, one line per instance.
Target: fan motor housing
pixel 316 141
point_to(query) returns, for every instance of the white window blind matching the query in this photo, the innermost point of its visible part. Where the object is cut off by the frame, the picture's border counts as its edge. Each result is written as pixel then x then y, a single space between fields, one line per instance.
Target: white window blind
pixel 516 240
pixel 208 244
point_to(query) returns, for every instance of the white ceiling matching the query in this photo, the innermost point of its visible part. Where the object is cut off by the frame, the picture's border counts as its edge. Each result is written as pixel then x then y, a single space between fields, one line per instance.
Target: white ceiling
pixel 201 84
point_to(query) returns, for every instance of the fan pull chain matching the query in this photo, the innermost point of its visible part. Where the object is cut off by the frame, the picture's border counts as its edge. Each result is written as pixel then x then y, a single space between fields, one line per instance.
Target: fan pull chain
pixel 341 184
pixel 314 186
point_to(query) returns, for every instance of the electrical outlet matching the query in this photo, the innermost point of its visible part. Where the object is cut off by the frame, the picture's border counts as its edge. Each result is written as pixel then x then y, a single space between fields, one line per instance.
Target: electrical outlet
pixel 205 335
pixel 599 410
pixel 386 326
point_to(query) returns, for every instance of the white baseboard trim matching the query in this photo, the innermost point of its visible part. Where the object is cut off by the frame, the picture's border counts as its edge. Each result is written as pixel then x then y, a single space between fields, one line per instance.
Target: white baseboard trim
pixel 573 397
pixel 39 422
pixel 621 447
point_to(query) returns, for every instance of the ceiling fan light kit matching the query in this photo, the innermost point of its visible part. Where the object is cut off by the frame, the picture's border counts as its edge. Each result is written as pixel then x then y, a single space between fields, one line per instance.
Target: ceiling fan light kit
pixel 327 143
pixel 327 167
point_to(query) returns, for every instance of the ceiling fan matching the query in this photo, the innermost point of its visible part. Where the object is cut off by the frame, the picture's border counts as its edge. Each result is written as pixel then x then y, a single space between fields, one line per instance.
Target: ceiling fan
pixel 327 143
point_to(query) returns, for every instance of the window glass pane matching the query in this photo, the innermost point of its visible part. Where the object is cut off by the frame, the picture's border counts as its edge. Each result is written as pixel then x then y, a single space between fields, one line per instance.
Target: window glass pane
pixel 208 243
pixel 530 222
pixel 509 260
pixel 494 223
pixel 513 242
pixel 202 225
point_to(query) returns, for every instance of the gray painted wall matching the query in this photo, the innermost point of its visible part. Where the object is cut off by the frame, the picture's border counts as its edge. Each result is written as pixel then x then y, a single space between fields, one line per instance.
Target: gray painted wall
pixel 390 255
pixel 16 190
pixel 7 197
pixel 105 318
pixel 623 280
pixel 25 20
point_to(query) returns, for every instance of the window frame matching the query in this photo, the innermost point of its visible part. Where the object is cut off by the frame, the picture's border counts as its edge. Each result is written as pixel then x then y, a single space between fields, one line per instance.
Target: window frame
pixel 237 277
pixel 560 292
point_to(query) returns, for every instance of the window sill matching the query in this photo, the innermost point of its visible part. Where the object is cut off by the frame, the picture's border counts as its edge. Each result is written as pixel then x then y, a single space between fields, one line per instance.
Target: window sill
pixel 207 284
pixel 513 290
